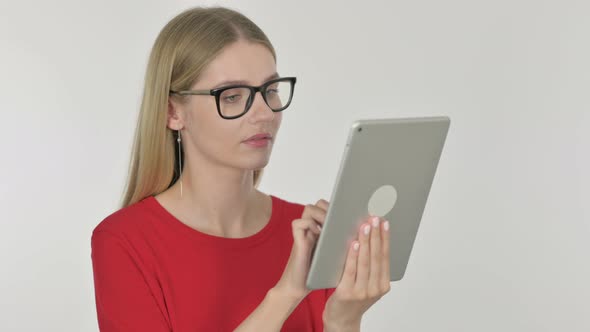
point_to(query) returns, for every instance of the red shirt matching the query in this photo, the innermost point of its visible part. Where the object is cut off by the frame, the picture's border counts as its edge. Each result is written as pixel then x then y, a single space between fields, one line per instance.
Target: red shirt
pixel 153 273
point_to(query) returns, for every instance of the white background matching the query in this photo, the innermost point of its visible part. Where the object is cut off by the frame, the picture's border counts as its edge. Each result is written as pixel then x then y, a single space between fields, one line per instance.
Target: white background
pixel 504 240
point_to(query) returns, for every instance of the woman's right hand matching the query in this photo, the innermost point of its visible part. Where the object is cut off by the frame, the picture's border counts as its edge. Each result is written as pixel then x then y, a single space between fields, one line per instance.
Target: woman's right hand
pixel 305 234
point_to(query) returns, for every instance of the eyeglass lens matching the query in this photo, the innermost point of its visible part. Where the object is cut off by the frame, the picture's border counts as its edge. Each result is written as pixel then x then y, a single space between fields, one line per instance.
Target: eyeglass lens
pixel 233 102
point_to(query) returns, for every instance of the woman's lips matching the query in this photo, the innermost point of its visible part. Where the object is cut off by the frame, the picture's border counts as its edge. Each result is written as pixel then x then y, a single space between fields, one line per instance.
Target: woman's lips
pixel 258 142
pixel 259 136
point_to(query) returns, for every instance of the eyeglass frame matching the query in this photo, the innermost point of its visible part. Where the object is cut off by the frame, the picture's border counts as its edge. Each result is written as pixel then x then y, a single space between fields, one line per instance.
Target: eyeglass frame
pixel 253 89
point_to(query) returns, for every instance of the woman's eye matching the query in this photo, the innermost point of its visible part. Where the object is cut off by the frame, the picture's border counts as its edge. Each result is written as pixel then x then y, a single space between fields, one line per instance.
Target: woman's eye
pixel 232 98
pixel 272 91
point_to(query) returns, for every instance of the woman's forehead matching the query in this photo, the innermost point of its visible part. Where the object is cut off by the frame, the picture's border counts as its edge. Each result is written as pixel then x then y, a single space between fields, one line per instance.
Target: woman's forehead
pixel 245 62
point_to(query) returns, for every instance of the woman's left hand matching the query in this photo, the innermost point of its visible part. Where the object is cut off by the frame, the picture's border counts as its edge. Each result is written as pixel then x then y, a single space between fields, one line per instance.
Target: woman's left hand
pixel 365 278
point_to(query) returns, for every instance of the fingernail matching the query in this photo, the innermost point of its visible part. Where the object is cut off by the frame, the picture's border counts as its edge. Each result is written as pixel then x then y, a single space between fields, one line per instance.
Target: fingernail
pixel 386 225
pixel 375 222
pixel 367 229
pixel 355 246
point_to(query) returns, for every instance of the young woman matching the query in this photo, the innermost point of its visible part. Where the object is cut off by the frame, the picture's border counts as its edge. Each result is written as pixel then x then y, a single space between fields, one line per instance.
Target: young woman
pixel 195 245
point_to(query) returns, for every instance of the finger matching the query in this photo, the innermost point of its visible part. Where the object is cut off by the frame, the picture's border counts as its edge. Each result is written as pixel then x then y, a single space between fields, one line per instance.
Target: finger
pixel 362 273
pixel 303 228
pixel 349 273
pixel 376 256
pixel 385 272
pixel 322 203
pixel 314 212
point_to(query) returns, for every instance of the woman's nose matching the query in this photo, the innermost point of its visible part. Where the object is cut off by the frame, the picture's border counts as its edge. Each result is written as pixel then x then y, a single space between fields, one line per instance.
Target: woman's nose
pixel 260 107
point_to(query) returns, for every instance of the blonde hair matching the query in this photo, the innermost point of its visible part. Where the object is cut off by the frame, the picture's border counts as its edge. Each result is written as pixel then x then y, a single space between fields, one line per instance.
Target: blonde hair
pixel 180 53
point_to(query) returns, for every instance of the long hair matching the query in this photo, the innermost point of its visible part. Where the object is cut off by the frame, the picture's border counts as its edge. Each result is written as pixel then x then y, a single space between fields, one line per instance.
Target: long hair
pixel 179 55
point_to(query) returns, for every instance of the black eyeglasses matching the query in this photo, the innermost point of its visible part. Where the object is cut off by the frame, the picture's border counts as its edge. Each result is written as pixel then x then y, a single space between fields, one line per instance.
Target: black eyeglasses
pixel 235 100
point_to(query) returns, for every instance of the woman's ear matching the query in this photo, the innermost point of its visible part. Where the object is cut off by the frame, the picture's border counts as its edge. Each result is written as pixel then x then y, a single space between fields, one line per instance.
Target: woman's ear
pixel 174 121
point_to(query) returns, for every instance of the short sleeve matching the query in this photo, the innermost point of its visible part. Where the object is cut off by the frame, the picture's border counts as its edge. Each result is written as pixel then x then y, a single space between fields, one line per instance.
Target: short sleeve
pixel 124 299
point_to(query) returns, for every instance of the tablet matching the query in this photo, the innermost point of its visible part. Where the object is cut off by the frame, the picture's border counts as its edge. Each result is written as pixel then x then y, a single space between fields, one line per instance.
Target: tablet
pixel 387 169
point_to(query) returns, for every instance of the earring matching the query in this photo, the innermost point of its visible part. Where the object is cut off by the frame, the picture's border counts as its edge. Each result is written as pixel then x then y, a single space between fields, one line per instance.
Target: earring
pixel 180 161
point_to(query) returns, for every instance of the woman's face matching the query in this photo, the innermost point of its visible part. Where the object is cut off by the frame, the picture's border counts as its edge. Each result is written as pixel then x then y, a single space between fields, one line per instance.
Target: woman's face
pixel 206 134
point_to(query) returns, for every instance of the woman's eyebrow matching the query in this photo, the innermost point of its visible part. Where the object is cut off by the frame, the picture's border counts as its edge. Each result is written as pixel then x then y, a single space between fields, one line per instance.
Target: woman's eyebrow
pixel 232 82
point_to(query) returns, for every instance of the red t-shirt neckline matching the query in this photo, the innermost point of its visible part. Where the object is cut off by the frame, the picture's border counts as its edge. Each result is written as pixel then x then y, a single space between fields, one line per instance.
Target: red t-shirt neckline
pixel 213 240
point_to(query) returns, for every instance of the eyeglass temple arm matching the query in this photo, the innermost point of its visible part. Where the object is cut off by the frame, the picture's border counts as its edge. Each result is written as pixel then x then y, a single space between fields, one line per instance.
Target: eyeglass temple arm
pixel 192 92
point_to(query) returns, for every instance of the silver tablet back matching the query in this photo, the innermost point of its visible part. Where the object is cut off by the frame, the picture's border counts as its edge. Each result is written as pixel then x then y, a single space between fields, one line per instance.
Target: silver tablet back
pixel 387 169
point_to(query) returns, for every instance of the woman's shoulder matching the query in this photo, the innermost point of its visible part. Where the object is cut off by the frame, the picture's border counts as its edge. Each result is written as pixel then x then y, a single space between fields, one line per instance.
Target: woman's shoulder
pixel 125 219
pixel 289 206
